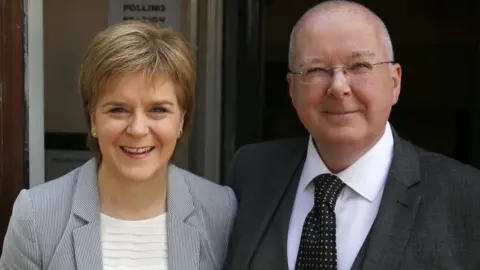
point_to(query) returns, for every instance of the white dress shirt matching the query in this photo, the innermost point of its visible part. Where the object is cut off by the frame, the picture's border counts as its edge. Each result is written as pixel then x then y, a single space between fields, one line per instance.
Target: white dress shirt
pixel 357 204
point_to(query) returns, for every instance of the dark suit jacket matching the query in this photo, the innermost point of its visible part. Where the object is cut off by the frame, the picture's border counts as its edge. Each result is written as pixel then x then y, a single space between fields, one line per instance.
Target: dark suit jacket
pixel 429 216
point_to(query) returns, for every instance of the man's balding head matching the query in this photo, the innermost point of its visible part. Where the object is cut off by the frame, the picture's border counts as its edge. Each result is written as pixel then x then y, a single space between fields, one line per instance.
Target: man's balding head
pixel 342 81
pixel 339 8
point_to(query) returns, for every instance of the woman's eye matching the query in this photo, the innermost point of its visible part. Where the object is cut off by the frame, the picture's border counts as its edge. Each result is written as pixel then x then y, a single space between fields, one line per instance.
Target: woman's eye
pixel 117 110
pixel 159 110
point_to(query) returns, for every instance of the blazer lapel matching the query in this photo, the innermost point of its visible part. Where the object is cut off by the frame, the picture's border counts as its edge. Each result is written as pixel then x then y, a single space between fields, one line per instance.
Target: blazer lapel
pixel 88 250
pixel 398 208
pixel 86 207
pixel 183 237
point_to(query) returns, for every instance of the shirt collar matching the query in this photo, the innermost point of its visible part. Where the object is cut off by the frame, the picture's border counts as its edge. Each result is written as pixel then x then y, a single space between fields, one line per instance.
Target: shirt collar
pixel 366 176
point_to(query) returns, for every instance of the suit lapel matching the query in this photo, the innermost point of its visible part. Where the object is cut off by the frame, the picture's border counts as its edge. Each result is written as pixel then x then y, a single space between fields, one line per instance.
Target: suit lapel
pixel 183 237
pixel 86 207
pixel 280 171
pixel 398 208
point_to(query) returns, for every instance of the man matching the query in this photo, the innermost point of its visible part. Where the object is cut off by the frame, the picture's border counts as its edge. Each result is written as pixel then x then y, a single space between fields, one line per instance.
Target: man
pixel 354 195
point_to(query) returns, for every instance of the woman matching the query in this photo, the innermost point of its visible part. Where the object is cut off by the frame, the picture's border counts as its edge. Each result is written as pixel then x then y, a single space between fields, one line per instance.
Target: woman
pixel 128 208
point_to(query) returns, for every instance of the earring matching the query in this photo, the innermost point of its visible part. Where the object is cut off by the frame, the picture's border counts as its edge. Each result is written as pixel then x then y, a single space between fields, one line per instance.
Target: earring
pixel 94 134
pixel 180 133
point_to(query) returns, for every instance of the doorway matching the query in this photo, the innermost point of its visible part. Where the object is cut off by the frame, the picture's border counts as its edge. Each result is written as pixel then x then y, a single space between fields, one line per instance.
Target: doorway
pixel 12 120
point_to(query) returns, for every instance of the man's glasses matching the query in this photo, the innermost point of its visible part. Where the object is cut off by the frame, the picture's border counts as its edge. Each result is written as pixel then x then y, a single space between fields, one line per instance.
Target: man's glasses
pixel 316 74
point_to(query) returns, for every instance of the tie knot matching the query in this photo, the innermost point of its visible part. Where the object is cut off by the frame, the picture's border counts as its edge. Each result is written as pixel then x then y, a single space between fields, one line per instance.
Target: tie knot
pixel 327 188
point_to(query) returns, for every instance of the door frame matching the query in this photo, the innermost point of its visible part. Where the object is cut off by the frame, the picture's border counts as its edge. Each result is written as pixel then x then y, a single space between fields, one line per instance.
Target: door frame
pixel 243 76
pixel 12 109
pixel 204 144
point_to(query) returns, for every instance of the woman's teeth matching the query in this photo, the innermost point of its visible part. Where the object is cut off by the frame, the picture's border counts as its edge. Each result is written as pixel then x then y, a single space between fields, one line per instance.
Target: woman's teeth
pixel 142 150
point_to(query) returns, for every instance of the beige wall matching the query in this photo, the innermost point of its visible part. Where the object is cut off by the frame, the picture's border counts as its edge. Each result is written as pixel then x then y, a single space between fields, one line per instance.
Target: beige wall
pixel 68 28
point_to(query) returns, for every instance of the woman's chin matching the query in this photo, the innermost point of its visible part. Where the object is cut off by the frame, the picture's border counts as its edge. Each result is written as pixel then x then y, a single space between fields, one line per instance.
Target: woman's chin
pixel 140 175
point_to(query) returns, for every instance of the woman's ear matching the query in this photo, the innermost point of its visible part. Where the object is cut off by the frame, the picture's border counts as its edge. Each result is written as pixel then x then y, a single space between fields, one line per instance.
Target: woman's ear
pixel 182 119
pixel 93 125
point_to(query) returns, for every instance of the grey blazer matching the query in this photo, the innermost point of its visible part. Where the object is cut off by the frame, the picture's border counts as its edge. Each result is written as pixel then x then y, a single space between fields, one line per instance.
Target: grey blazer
pixel 57 226
pixel 429 216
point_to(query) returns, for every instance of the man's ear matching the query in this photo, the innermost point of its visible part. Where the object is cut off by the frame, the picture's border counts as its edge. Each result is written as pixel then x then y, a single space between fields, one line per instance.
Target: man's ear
pixel 397 82
pixel 291 87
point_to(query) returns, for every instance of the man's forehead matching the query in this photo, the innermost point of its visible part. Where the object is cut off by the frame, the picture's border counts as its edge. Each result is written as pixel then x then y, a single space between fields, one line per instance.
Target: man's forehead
pixel 338 40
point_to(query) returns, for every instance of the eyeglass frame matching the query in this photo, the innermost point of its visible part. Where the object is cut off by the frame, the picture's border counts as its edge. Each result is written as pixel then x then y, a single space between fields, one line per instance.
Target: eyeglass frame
pixel 331 70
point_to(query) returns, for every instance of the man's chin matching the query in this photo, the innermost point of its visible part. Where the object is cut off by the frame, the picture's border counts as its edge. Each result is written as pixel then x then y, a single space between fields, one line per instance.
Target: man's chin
pixel 344 135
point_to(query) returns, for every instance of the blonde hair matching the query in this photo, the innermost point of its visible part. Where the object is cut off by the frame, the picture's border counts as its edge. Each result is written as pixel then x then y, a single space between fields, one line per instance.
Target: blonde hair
pixel 134 46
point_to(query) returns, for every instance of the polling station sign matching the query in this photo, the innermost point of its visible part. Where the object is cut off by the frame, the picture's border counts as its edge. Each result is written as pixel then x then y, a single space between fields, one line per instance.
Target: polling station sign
pixel 164 12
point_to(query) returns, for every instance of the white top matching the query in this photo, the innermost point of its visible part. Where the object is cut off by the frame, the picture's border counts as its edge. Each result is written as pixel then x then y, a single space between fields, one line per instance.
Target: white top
pixel 137 244
pixel 357 204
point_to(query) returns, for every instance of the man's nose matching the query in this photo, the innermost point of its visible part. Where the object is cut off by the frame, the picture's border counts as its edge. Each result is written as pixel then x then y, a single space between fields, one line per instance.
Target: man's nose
pixel 339 84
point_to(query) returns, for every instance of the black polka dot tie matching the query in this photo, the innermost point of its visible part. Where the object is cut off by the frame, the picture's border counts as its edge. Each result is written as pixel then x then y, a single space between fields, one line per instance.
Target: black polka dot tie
pixel 318 245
